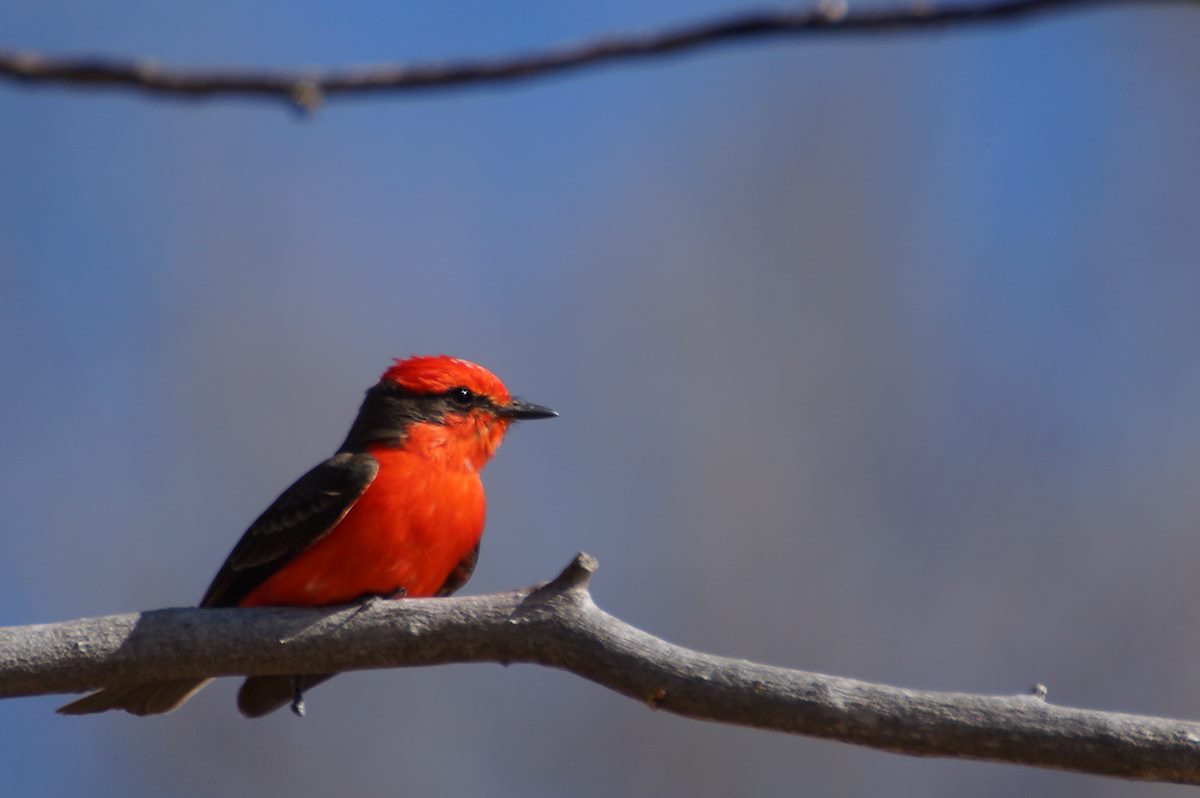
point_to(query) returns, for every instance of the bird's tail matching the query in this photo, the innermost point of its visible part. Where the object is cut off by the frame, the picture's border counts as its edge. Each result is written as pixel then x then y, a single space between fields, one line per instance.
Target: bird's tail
pixel 154 698
pixel 261 695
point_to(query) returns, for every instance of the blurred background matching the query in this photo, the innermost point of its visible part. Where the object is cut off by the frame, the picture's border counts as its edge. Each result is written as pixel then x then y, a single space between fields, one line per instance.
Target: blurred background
pixel 875 357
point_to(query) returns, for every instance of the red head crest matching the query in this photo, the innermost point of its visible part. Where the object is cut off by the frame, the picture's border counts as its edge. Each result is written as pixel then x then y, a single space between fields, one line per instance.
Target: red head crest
pixel 433 374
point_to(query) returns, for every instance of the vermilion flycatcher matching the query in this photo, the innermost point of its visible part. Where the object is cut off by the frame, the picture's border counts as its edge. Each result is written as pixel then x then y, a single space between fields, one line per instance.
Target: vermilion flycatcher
pixel 397 511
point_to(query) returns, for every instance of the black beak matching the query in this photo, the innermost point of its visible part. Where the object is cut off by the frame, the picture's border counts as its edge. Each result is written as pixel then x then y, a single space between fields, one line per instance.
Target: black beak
pixel 521 411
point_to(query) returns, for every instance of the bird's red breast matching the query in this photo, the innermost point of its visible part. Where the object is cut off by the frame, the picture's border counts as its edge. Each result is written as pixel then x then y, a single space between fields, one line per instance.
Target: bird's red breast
pixel 417 521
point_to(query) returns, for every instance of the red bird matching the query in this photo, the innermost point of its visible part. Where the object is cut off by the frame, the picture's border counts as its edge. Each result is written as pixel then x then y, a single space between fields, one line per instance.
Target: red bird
pixel 397 511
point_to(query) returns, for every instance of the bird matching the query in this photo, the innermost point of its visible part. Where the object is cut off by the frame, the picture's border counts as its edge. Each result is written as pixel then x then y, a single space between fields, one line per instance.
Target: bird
pixel 397 511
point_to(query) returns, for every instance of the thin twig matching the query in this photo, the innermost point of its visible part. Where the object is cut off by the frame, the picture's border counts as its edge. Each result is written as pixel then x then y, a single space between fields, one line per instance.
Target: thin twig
pixel 307 89
pixel 557 625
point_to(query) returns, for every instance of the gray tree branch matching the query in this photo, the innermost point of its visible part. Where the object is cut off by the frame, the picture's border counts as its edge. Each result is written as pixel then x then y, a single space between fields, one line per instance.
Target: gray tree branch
pixel 307 89
pixel 558 625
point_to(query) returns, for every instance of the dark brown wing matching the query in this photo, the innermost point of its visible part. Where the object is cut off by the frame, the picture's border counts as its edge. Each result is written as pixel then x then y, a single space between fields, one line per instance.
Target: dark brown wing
pixel 461 573
pixel 302 515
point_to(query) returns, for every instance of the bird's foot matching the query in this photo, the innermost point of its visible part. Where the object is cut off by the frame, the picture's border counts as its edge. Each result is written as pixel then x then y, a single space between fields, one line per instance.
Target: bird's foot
pixel 368 600
pixel 298 696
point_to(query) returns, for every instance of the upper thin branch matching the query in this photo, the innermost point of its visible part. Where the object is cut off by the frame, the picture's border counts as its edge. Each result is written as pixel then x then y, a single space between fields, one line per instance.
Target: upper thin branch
pixel 558 625
pixel 309 87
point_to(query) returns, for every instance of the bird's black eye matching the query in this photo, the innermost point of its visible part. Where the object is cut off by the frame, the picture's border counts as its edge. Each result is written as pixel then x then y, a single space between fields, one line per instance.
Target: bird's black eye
pixel 461 397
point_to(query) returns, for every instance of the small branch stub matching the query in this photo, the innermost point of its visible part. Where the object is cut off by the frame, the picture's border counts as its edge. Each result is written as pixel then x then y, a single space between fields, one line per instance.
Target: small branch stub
pixel 577 574
pixel 834 11
pixel 307 96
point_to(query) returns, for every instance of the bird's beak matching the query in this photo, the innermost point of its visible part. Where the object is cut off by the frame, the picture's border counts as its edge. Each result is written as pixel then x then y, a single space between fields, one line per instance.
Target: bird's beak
pixel 520 411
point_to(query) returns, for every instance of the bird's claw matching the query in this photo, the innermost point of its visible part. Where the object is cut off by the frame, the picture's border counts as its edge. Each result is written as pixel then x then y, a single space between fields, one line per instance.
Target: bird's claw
pixel 298 696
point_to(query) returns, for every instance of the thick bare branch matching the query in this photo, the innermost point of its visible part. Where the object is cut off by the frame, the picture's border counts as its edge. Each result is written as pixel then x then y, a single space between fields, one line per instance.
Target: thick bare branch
pixel 308 88
pixel 557 625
